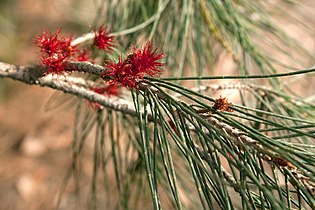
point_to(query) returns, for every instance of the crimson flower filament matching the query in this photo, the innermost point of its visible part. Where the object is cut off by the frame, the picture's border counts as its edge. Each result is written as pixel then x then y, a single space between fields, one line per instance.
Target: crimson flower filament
pixel 54 50
pixel 127 72
pixel 103 40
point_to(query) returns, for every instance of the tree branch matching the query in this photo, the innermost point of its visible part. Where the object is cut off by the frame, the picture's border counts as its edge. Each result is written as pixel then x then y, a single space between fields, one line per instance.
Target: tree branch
pixel 34 75
pixel 81 88
pixel 76 86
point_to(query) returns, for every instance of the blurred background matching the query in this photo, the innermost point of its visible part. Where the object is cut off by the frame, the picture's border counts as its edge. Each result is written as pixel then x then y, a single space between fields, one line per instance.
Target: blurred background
pixel 35 139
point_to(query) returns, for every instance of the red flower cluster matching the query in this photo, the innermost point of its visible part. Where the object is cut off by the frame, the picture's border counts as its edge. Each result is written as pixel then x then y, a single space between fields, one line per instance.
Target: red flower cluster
pixel 222 104
pixel 55 50
pixel 127 72
pixel 103 40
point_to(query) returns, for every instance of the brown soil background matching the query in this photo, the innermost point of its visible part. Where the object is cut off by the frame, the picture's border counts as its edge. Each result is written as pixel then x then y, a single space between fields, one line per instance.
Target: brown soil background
pixel 35 143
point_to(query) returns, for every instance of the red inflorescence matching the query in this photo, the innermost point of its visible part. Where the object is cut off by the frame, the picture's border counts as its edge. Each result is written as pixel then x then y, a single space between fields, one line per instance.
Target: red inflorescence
pixel 49 43
pixel 54 50
pixel 222 104
pixel 127 72
pixel 103 40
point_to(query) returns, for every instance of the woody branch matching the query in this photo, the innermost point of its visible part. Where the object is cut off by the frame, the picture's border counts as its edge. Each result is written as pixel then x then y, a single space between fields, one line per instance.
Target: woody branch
pixel 33 75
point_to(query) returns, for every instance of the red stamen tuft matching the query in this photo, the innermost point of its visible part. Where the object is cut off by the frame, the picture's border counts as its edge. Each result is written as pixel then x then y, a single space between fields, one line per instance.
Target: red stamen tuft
pixel 146 60
pixel 49 43
pixel 129 71
pixel 54 50
pixel 121 74
pixel 103 40
pixel 54 63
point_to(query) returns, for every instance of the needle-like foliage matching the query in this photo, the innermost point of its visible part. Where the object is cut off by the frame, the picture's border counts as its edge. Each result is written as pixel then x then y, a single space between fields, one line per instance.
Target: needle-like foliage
pixel 189 148
pixel 194 155
pixel 183 136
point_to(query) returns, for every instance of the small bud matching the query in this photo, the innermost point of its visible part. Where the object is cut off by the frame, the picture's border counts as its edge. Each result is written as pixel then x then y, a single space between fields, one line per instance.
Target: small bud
pixel 222 104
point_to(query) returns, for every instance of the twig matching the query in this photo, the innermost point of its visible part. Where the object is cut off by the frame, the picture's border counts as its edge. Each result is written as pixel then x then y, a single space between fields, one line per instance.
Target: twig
pixel 85 67
pixel 75 86
pixel 79 87
pixel 83 38
pixel 238 136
